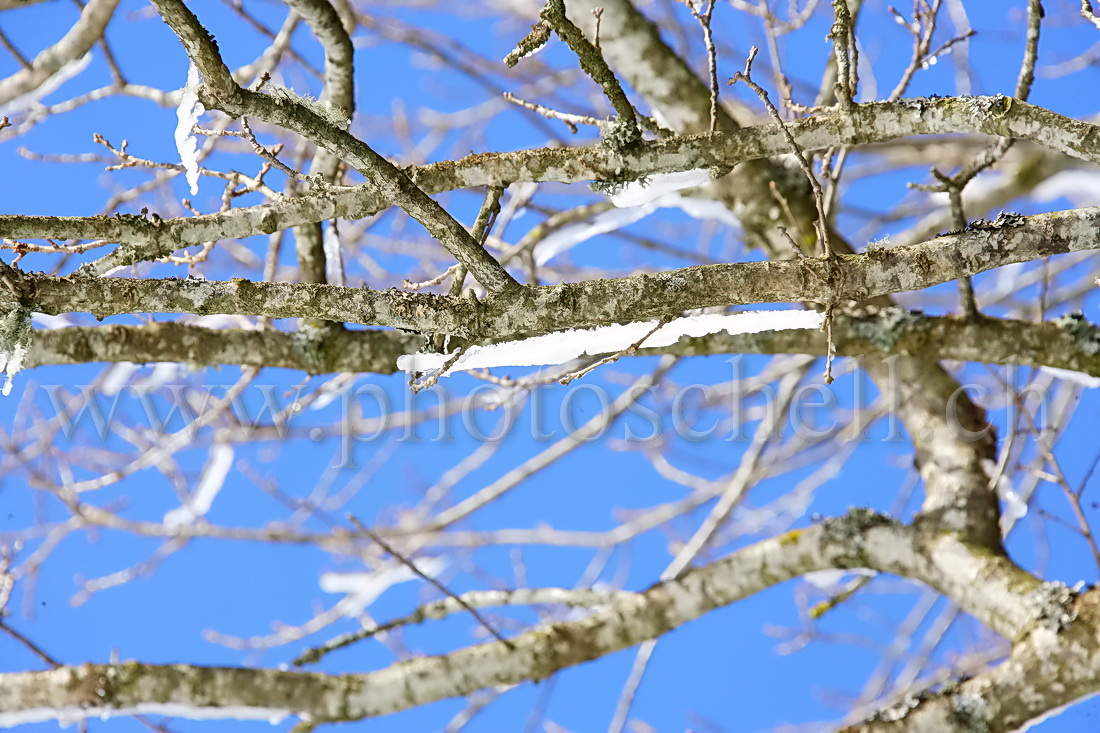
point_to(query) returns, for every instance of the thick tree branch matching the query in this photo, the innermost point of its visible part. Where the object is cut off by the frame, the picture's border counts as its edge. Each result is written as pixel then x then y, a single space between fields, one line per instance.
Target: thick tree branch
pixel 1067 343
pixel 339 91
pixel 868 123
pixel 1057 664
pixel 220 91
pixel 987 585
pixel 985 246
pixel 78 41
pixel 311 352
pixel 954 544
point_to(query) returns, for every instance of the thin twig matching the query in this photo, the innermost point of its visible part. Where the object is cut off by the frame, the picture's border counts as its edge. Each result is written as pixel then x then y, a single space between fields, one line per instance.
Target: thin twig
pixel 569 120
pixel 431 380
pixel 267 155
pixel 1088 14
pixel 411 285
pixel 593 63
pixel 477 599
pixel 819 196
pixel 628 351
pixel 712 56
pixel 922 28
pixel 844 51
pixel 6 43
pixel 830 351
pixel 953 185
pixel 31 646
pixel 424 576
pixel 841 596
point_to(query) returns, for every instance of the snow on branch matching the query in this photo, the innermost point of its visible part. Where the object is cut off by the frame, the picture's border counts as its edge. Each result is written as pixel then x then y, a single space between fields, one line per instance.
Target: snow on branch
pixel 868 123
pixel 636 200
pixel 26 102
pixel 652 188
pixel 362 588
pixel 213 478
pixel 563 346
pixel 1085 380
pixel 15 340
pixel 188 114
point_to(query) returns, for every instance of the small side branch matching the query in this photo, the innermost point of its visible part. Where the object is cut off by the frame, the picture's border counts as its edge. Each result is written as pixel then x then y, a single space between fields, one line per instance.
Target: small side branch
pixel 593 64
pixel 819 195
pixel 429 579
pixel 1088 14
pixel 475 599
pixel 844 49
pixel 704 19
pixel 220 91
pixel 267 154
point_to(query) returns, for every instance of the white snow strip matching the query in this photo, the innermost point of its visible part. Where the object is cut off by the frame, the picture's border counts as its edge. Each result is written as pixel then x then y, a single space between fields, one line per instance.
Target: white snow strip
pixel 48 321
pixel 637 193
pixel 68 715
pixel 363 588
pixel 224 321
pixel 1080 187
pixel 11 362
pixel 702 209
pixel 25 102
pixel 188 114
pixel 211 482
pixel 1085 380
pixel 614 219
pixel 116 377
pixel 563 346
pixel 334 256
pixel 826 579
pixel 573 234
pixel 535 50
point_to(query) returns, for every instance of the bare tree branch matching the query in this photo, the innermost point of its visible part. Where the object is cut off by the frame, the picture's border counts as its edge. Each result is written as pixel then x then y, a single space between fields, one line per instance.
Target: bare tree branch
pixel 987 585
pixel 220 91
pixel 77 42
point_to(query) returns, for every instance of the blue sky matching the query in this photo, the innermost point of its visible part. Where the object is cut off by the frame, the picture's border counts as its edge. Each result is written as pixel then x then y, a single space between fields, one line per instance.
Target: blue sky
pixel 728 671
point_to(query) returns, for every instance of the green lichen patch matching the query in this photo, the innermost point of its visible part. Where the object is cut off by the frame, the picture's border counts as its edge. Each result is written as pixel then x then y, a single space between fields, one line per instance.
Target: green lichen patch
pixel 15 342
pixel 848 532
pixel 613 187
pixel 1005 219
pixel 885 326
pixel 1084 333
pixel 1053 604
pixel 329 113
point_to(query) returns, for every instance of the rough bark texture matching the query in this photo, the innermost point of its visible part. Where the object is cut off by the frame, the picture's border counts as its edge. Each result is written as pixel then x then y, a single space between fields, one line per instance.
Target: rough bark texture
pixel 954 545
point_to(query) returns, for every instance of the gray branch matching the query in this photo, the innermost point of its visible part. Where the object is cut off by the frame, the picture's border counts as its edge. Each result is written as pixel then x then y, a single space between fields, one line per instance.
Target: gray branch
pixel 1011 239
pixel 987 585
pixel 1067 343
pixel 220 91
pixel 867 123
pixel 72 46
